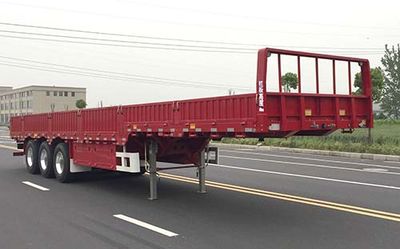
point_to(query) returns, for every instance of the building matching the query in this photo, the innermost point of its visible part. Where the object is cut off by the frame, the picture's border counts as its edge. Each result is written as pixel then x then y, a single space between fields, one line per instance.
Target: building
pixel 37 99
pixel 5 89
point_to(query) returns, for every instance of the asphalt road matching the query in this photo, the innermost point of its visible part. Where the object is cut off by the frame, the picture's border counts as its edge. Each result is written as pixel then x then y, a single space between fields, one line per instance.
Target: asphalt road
pixel 81 214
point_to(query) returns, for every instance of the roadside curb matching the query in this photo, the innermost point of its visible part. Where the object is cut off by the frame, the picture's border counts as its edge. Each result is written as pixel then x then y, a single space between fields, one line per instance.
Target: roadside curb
pixel 377 157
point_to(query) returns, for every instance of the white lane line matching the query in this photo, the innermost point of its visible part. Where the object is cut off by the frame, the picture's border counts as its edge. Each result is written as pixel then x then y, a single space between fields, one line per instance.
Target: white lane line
pixel 307 176
pixel 310 165
pixel 35 186
pixel 7 142
pixel 313 159
pixel 146 225
pixel 375 169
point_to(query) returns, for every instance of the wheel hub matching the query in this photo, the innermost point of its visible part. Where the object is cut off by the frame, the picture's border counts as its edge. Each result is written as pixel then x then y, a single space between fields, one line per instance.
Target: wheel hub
pixel 43 159
pixel 59 162
pixel 29 157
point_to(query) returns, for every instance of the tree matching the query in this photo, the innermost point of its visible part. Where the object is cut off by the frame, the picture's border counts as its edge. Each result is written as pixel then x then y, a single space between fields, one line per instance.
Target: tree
pixel 379 115
pixel 377 80
pixel 391 91
pixel 289 81
pixel 80 103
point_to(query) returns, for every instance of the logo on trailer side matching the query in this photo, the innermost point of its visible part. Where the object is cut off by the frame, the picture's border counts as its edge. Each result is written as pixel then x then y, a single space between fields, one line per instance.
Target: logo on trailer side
pixel 260 96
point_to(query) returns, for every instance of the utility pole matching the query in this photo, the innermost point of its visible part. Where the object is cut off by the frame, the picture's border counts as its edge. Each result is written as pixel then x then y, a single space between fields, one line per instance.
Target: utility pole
pixel 370 136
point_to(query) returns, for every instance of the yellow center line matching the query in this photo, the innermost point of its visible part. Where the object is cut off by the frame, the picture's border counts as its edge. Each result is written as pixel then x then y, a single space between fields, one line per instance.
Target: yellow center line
pixel 292 198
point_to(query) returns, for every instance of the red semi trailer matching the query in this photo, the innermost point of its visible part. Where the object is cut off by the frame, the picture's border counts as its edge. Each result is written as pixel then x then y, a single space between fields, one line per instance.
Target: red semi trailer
pixel 133 138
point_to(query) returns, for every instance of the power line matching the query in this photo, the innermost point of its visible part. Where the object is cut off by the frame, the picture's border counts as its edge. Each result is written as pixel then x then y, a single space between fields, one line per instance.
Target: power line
pixel 200 83
pixel 171 39
pixel 146 43
pixel 115 77
pixel 170 22
pixel 173 48
pixel 71 72
pixel 75 72
pixel 89 72
pixel 124 41
pixel 128 46
pixel 159 47
pixel 125 35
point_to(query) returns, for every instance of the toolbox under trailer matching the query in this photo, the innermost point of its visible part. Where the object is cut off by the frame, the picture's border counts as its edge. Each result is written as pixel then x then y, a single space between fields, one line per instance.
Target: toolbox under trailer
pixel 133 138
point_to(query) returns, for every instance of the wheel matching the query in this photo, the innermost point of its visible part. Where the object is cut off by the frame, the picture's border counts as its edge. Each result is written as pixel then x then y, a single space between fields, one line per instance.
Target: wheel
pixel 46 160
pixel 31 156
pixel 61 163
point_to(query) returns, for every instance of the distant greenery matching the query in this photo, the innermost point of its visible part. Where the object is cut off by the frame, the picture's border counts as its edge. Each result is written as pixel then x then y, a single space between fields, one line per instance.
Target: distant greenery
pixel 386 140
pixel 289 81
pixel 377 81
pixel 391 91
pixel 80 103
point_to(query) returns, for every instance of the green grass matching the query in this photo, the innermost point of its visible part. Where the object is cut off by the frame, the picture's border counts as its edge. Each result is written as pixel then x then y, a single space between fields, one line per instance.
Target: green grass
pixel 385 136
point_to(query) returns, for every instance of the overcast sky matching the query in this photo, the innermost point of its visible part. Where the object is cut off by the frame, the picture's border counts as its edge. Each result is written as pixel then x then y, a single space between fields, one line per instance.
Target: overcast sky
pixel 356 28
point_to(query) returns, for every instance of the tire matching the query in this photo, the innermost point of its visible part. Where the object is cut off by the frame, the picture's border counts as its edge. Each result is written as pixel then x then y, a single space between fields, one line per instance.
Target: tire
pixel 31 157
pixel 46 160
pixel 61 163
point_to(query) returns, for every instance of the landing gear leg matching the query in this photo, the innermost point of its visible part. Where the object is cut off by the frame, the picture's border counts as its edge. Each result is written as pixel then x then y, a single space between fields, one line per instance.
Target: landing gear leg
pixel 153 169
pixel 202 172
